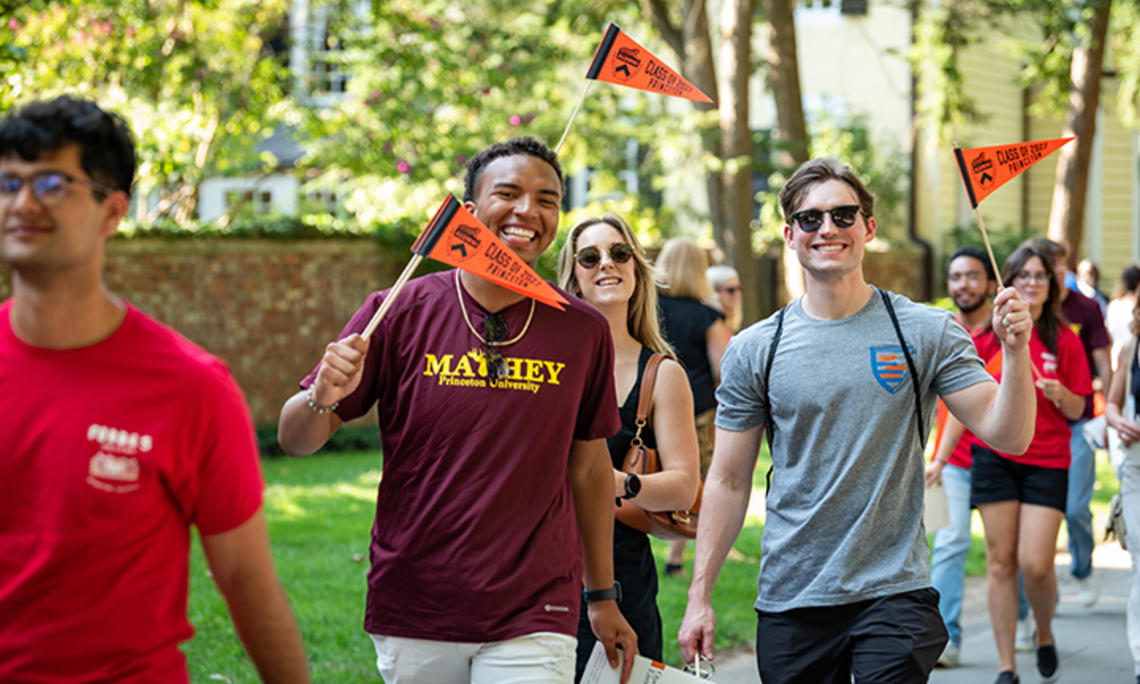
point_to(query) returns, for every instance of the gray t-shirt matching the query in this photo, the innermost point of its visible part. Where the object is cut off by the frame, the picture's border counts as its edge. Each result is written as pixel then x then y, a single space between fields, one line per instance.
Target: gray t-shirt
pixel 844 513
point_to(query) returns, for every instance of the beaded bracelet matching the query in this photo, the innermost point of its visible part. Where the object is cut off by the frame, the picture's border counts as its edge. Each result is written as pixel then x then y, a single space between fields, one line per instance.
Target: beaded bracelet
pixel 321 410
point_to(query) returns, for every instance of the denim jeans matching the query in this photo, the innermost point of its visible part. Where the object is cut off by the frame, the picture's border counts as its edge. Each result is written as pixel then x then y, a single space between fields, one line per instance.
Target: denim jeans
pixel 951 547
pixel 1078 517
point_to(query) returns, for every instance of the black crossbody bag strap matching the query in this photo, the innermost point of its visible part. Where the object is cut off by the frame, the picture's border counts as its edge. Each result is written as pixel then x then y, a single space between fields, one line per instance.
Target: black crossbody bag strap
pixel 910 365
pixel 767 395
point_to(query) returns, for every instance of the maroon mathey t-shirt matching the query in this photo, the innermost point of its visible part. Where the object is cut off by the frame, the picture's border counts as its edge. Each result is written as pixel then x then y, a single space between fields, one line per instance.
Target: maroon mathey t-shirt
pixel 475 537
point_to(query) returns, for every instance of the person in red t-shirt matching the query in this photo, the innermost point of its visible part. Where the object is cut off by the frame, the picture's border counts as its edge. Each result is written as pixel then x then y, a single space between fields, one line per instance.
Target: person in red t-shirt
pixel 493 414
pixel 1021 498
pixel 972 284
pixel 117 435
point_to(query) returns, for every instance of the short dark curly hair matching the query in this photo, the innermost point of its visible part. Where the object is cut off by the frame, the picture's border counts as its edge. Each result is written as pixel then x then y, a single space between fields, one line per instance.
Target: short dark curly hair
pixel 525 145
pixel 107 148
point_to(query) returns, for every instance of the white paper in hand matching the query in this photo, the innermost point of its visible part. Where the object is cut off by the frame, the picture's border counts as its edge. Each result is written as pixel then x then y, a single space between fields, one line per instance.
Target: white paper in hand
pixel 645 671
pixel 936 507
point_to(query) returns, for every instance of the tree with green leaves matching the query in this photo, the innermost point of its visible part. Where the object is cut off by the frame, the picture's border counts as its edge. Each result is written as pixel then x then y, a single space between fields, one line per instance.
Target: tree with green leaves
pixel 202 83
pixel 1063 67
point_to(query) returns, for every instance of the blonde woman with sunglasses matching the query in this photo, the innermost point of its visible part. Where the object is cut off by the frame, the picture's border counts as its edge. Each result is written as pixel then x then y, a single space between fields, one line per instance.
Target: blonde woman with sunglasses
pixel 603 264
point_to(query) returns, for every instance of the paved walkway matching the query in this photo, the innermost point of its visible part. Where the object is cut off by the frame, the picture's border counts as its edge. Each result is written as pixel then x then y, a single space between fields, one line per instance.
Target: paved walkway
pixel 1091 642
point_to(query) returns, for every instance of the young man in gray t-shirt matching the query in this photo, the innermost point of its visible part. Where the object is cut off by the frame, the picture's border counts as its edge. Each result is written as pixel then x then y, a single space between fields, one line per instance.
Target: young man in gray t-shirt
pixel 844 588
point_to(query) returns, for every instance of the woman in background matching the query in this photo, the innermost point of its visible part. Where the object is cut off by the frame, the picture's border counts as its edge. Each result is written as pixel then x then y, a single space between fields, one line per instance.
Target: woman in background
pixel 603 264
pixel 699 335
pixel 1118 320
pixel 725 281
pixel 1021 498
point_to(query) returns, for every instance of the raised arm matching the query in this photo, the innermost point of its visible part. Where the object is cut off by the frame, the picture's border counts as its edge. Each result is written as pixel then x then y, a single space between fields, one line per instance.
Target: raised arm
pixel 716 341
pixel 591 482
pixel 1003 416
pixel 728 487
pixel 242 567
pixel 304 428
pixel 675 486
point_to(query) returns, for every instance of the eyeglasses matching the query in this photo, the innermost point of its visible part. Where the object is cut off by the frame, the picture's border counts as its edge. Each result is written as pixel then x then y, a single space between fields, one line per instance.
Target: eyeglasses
pixel 48 187
pixel 810 220
pixel 495 329
pixel 731 289
pixel 589 257
pixel 972 276
pixel 1025 276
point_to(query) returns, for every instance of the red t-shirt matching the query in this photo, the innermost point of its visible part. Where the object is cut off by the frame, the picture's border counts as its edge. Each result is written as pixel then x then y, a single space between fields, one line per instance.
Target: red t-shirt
pixel 1050 445
pixel 988 345
pixel 110 452
pixel 475 537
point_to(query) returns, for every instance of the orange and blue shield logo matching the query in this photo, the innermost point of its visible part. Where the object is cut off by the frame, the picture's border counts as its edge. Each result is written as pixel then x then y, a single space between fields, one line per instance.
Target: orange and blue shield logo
pixel 888 365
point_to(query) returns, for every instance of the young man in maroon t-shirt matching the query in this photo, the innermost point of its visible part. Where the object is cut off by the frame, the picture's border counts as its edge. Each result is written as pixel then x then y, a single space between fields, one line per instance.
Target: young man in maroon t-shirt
pixel 493 414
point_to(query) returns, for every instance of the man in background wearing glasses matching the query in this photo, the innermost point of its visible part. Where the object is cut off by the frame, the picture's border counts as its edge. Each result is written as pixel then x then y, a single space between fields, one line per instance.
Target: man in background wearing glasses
pixel 844 586
pixel 493 415
pixel 117 434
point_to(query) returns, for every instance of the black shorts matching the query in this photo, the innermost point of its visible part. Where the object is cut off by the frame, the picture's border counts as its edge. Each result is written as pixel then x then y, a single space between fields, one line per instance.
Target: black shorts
pixel 895 639
pixel 994 478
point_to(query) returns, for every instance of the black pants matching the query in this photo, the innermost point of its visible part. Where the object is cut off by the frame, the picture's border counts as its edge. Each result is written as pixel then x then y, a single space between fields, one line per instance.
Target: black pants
pixel 894 639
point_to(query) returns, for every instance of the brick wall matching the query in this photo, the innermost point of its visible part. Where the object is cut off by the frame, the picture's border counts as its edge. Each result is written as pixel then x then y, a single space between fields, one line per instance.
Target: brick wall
pixel 268 307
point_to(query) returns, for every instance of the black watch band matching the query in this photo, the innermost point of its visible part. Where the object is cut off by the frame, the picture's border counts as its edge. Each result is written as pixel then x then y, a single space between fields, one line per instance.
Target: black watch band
pixel 632 486
pixel 609 594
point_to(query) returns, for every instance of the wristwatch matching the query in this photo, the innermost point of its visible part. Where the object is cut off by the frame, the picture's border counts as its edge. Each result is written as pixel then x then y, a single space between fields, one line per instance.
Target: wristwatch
pixel 611 594
pixel 632 485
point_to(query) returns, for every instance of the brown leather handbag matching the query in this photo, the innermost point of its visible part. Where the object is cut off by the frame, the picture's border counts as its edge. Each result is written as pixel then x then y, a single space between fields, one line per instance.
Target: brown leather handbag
pixel 643 460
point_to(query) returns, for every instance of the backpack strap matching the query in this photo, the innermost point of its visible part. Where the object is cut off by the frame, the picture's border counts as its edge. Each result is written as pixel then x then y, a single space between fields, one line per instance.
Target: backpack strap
pixel 910 365
pixel 771 427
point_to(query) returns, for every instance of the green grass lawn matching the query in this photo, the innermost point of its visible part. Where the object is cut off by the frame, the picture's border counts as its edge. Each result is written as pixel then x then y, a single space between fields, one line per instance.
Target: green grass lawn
pixel 320 511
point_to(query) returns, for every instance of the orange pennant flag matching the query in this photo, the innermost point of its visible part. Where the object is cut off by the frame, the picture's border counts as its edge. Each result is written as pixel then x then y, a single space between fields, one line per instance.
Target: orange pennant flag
pixel 985 169
pixel 454 236
pixel 621 60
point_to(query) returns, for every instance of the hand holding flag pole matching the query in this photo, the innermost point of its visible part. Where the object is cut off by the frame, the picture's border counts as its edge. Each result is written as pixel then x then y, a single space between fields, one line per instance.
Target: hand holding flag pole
pixel 622 60
pixel 454 236
pixel 985 169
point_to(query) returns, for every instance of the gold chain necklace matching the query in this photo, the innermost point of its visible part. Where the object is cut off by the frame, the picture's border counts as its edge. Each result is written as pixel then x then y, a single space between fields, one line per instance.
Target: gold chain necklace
pixel 504 343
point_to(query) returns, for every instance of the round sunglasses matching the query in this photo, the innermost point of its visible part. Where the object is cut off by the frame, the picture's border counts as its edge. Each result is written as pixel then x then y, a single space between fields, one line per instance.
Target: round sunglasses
pixel 811 220
pixel 590 257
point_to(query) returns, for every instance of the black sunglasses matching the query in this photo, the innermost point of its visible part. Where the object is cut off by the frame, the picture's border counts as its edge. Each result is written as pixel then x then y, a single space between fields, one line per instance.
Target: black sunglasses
pixel 495 329
pixel 590 257
pixel 810 220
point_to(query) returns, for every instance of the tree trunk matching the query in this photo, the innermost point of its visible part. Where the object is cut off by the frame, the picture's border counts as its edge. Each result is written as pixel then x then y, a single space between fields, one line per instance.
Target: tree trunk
pixel 736 147
pixel 698 65
pixel 791 132
pixel 1070 186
